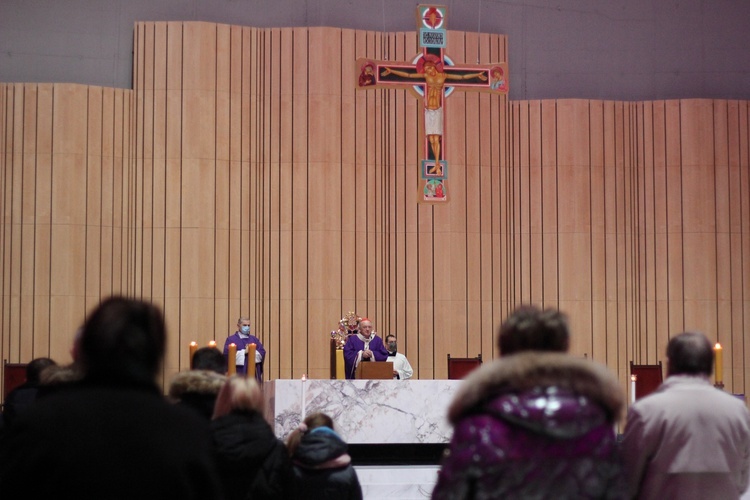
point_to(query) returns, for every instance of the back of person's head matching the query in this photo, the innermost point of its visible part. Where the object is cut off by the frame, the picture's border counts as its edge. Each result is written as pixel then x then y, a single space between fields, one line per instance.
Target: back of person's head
pixel 313 421
pixel 123 340
pixel 529 328
pixel 35 368
pixel 209 358
pixel 238 394
pixel 690 353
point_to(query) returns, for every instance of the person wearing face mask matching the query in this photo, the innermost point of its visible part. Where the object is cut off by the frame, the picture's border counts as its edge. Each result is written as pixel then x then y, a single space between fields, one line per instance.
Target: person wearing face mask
pixel 241 338
pixel 401 367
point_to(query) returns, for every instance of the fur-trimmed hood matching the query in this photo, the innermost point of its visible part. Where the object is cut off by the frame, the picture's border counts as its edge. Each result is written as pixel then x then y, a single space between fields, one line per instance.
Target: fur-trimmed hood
pixel 531 373
pixel 196 382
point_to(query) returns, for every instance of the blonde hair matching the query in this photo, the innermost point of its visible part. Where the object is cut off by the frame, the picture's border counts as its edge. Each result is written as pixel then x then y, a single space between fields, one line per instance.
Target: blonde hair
pixel 238 393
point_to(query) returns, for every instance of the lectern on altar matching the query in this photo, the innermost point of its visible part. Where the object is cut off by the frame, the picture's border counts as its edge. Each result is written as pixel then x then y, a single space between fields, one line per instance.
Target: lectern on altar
pixel 374 370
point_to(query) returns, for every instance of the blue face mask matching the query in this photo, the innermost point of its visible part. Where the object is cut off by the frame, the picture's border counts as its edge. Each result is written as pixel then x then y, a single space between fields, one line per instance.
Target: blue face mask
pixel 245 329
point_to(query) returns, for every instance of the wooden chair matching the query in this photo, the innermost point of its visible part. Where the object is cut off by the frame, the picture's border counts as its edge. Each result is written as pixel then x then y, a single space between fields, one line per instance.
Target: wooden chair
pixel 648 378
pixel 458 368
pixel 14 374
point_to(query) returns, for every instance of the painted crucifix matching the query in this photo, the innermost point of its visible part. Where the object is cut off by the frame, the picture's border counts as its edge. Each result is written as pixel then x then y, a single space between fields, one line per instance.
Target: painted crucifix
pixel 433 77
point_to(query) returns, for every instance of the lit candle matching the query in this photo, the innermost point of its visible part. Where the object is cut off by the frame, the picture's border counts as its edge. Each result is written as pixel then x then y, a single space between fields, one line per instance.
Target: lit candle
pixel 632 388
pixel 211 343
pixel 250 358
pixel 718 363
pixel 193 348
pixel 232 359
pixel 304 397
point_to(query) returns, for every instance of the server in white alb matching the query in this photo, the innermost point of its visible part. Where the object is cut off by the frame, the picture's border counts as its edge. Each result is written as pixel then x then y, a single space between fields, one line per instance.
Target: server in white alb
pixel 401 368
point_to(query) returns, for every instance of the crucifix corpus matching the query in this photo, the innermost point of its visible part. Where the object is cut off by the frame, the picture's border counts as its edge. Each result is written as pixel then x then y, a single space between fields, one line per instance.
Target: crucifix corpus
pixel 432 76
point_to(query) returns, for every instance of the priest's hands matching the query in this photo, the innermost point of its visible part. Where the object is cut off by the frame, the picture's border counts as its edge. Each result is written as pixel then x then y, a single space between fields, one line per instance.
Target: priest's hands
pixel 367 354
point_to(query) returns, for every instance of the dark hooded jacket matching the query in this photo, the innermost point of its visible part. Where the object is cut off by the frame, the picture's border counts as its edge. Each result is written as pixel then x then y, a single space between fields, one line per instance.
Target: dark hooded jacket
pixel 323 469
pixel 252 462
pixel 534 425
pixel 18 400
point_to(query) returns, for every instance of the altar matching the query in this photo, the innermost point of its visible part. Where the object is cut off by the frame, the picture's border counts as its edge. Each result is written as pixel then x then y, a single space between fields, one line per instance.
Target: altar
pixel 365 411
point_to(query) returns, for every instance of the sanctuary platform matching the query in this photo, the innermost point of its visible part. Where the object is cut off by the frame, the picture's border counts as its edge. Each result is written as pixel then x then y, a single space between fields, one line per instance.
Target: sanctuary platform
pixel 366 412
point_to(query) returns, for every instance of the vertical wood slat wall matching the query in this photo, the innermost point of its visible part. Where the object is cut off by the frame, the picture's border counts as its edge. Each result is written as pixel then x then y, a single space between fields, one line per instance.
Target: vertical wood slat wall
pixel 245 175
pixel 65 192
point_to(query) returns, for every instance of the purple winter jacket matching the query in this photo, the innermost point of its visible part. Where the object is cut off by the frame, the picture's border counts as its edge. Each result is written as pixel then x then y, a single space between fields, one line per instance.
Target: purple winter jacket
pixel 534 425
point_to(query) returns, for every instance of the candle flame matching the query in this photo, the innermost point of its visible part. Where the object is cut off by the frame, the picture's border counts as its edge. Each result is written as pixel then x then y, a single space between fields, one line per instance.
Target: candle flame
pixel 633 377
pixel 304 377
pixel 717 346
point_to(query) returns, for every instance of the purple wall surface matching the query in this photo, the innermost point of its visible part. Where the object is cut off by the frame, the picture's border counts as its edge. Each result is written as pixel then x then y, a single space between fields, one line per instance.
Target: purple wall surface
pixel 594 49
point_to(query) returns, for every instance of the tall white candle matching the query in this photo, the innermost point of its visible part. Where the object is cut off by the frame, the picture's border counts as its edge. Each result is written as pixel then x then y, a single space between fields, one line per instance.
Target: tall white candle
pixel 632 388
pixel 304 399
pixel 718 363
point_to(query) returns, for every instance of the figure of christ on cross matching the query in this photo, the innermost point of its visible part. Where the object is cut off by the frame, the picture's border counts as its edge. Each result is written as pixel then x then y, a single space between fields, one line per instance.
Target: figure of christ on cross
pixel 433 76
pixel 431 71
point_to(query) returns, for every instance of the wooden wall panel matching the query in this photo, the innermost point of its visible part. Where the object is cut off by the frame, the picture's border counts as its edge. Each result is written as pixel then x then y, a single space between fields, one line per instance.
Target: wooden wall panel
pixel 54 247
pixel 245 175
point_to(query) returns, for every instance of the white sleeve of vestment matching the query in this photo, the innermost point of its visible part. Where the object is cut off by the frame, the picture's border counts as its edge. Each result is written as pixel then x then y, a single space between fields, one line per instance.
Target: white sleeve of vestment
pixel 405 372
pixel 240 357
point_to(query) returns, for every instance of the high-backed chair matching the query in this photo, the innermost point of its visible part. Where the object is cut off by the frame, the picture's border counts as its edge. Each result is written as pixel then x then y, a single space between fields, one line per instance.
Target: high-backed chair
pixel 14 374
pixel 458 368
pixel 648 378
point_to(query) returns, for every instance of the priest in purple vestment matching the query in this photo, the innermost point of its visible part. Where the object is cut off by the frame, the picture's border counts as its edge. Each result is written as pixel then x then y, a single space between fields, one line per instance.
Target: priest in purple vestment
pixel 241 338
pixel 362 347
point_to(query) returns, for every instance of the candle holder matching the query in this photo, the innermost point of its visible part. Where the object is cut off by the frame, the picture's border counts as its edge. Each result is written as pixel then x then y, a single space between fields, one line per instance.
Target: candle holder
pixel 719 385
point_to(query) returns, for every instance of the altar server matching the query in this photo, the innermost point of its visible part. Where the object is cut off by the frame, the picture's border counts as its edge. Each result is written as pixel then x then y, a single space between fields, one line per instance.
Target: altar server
pixel 402 369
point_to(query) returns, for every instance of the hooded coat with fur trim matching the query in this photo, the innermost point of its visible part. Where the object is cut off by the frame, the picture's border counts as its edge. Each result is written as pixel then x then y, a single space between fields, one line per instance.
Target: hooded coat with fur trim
pixel 197 390
pixel 534 425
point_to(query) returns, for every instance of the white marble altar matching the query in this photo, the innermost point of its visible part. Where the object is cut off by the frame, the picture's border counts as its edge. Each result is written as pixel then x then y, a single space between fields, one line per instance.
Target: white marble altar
pixel 365 411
